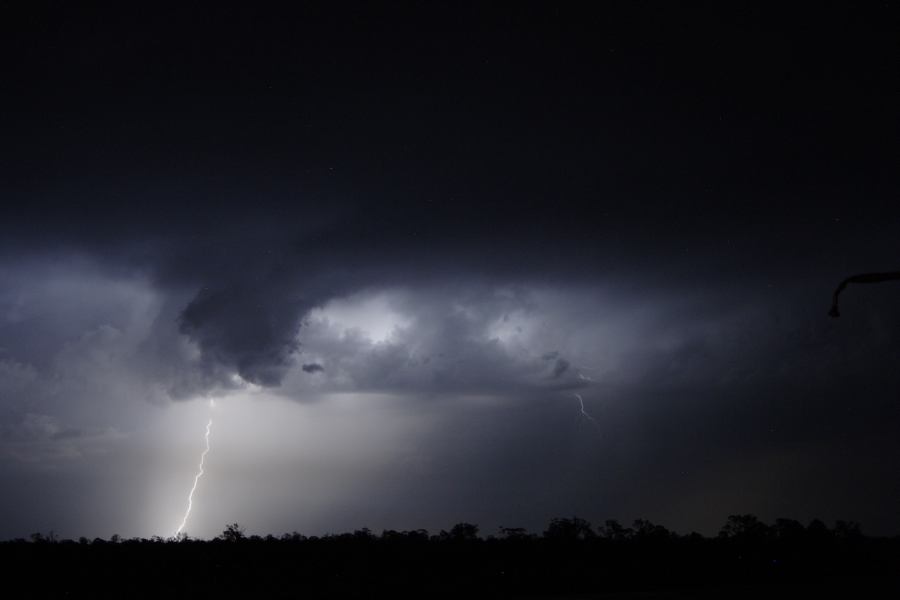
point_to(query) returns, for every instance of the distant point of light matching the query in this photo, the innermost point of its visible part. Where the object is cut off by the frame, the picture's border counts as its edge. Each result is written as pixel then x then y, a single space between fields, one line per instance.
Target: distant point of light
pixel 198 476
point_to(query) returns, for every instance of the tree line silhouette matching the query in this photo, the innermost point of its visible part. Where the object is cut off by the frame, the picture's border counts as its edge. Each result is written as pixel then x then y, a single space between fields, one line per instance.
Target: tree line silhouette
pixel 570 557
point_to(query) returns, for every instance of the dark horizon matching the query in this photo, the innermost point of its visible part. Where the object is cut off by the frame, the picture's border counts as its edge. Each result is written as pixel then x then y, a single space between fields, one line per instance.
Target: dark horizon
pixel 444 262
pixel 741 528
pixel 747 559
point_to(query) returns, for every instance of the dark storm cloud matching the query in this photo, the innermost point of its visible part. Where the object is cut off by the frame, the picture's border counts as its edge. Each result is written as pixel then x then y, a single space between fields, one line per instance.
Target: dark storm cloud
pixel 245 330
pixel 313 368
pixel 560 367
pixel 319 199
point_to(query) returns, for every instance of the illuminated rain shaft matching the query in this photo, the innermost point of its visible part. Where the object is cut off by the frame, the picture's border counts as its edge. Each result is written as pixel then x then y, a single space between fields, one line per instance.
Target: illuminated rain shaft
pixel 197 477
pixel 584 413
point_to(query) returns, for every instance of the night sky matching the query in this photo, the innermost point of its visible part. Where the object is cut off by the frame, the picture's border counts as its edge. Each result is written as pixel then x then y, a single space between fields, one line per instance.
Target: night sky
pixel 399 245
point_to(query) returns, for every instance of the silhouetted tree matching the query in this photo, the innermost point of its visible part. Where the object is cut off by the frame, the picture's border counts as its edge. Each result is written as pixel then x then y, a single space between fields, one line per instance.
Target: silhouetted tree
pixel 40 538
pixel 817 530
pixel 461 532
pixel 613 530
pixel 233 533
pixel 514 533
pixel 647 531
pixel 416 535
pixel 788 530
pixel 569 529
pixel 744 527
pixel 847 530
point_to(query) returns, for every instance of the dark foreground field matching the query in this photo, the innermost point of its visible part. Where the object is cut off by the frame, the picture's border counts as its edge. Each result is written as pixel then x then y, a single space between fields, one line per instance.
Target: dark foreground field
pixel 569 560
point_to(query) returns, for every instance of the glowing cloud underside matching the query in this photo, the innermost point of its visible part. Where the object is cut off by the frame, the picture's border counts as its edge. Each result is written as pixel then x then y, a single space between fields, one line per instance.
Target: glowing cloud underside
pixel 196 479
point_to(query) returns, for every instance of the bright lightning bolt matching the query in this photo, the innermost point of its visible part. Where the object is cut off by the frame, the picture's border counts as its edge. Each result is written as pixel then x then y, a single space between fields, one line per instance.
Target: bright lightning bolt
pixel 196 477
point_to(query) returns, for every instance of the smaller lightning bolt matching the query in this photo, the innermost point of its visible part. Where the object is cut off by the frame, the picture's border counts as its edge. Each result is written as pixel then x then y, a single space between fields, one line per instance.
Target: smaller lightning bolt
pixel 584 413
pixel 198 476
